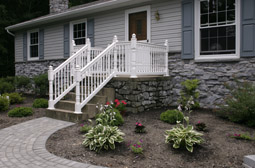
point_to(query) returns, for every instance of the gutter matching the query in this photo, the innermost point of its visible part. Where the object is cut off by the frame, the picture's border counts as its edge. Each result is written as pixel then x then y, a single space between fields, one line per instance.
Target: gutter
pixel 9 32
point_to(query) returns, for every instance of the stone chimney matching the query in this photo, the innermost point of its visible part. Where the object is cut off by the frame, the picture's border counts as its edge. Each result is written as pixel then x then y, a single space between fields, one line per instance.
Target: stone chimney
pixel 57 6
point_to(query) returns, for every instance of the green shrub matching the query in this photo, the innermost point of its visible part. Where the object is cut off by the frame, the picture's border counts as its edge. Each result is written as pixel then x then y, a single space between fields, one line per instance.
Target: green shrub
pixel 103 137
pixel 240 105
pixel 40 103
pixel 23 82
pixel 182 136
pixel 171 116
pixel 109 116
pixel 6 87
pixel 4 103
pixel 14 97
pixel 189 93
pixel 41 84
pixel 20 112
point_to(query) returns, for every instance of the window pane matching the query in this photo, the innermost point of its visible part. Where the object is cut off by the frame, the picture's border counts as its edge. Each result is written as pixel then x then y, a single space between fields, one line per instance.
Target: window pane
pixel 81 41
pixel 222 43
pixel 34 51
pixel 222 17
pixel 204 7
pixel 204 33
pixel 204 19
pixel 213 32
pixel 204 44
pixel 213 44
pixel 231 4
pixel 221 5
pixel 212 18
pixel 212 6
pixel 231 43
pixel 231 15
pixel 222 32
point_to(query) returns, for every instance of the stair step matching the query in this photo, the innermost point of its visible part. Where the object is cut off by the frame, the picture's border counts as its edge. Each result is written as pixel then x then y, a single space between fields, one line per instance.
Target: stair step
pixel 98 99
pixel 65 115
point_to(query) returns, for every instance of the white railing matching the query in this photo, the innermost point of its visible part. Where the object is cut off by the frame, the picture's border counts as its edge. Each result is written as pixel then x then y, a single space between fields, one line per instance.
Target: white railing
pixel 61 79
pixel 95 67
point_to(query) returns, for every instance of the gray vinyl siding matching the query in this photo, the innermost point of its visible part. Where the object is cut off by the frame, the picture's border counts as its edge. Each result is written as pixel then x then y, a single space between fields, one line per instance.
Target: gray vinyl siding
pixel 18 47
pixel 53 42
pixel 169 25
pixel 108 25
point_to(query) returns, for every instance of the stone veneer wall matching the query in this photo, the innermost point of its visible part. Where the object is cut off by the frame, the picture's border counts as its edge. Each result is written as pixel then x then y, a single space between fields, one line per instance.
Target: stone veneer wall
pixel 212 76
pixel 143 93
pixel 57 6
pixel 33 68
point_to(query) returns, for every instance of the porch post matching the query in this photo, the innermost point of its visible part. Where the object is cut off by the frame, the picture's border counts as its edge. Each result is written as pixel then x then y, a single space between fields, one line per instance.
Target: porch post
pixel 115 40
pixel 77 91
pixel 166 58
pixel 133 57
pixel 50 78
pixel 89 49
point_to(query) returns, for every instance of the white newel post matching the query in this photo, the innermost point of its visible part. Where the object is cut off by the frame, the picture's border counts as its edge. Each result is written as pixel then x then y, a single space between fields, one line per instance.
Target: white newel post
pixel 89 49
pixel 77 91
pixel 50 78
pixel 133 56
pixel 166 58
pixel 115 40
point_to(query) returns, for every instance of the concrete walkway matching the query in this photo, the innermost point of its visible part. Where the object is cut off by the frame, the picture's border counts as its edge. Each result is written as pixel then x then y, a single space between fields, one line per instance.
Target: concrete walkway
pixel 23 146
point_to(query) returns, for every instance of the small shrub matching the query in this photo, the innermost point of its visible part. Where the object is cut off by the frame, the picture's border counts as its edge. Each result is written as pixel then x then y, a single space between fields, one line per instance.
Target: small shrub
pixel 103 137
pixel 14 97
pixel 240 104
pixel 41 84
pixel 23 82
pixel 171 116
pixel 20 112
pixel 137 148
pixel 4 103
pixel 40 103
pixel 182 136
pixel 200 126
pixel 139 128
pixel 109 116
pixel 6 87
pixel 189 92
pixel 246 136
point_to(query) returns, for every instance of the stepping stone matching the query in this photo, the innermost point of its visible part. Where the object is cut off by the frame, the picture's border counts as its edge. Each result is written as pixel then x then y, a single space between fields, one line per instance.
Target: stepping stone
pixel 249 161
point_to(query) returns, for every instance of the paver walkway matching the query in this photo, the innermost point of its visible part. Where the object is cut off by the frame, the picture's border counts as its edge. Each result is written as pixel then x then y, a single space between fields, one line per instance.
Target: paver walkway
pixel 23 146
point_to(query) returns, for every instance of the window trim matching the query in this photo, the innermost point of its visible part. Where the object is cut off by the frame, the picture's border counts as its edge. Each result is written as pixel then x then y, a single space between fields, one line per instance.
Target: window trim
pixel 71 31
pixel 29 58
pixel 136 10
pixel 216 57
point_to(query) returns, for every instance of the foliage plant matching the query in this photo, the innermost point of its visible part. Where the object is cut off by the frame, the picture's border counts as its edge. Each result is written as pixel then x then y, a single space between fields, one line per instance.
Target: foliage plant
pixel 120 105
pixel 171 116
pixel 20 112
pixel 85 127
pixel 14 97
pixel 4 103
pixel 6 87
pixel 139 128
pixel 200 126
pixel 183 136
pixel 41 84
pixel 23 83
pixel 109 116
pixel 245 136
pixel 103 137
pixel 137 147
pixel 240 104
pixel 189 91
pixel 40 103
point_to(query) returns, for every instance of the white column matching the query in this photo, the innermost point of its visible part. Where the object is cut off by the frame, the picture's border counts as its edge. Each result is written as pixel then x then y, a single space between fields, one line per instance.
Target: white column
pixel 115 40
pixel 77 91
pixel 50 78
pixel 133 56
pixel 166 58
pixel 89 49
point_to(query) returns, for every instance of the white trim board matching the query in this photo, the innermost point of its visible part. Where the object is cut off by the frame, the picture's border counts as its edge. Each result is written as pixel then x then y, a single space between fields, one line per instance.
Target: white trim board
pixel 135 10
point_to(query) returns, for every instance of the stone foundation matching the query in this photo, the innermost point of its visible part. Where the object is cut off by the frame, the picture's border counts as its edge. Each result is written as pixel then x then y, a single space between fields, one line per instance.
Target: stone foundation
pixel 212 77
pixel 143 93
pixel 33 68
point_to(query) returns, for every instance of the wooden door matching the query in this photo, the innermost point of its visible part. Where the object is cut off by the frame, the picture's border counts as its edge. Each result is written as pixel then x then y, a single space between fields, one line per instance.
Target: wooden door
pixel 138 25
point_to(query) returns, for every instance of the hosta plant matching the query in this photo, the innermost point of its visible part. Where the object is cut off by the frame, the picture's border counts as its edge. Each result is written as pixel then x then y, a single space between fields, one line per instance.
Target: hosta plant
pixel 183 136
pixel 103 137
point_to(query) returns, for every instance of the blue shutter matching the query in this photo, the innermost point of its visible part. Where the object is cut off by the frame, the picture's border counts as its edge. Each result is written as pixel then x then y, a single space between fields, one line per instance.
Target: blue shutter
pixel 41 44
pixel 187 29
pixel 25 47
pixel 90 31
pixel 247 28
pixel 66 41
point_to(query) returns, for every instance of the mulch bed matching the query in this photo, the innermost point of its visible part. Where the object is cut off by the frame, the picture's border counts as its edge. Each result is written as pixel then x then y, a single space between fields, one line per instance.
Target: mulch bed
pixel 6 121
pixel 219 150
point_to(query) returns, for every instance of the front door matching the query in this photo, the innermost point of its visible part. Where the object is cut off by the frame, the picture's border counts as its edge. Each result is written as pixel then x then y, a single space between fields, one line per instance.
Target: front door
pixel 138 25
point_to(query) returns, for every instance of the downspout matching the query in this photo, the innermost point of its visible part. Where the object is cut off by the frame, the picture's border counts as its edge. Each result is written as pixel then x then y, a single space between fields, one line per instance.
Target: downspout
pixel 10 32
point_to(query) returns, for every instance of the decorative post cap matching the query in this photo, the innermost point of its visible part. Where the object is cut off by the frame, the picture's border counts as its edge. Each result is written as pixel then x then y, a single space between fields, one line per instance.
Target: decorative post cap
pixel 115 39
pixel 77 67
pixel 50 68
pixel 166 43
pixel 87 41
pixel 133 36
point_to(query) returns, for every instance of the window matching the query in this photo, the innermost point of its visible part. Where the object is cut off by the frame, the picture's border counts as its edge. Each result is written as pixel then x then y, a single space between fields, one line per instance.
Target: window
pixel 217 28
pixel 79 33
pixel 33 41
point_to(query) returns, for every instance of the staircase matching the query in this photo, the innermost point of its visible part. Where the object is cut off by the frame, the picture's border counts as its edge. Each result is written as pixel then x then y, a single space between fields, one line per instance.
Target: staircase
pixel 77 85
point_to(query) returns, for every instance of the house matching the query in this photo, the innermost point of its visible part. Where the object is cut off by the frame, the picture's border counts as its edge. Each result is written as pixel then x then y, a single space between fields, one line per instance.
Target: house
pixel 210 40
